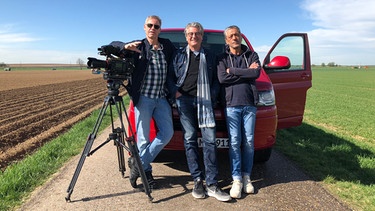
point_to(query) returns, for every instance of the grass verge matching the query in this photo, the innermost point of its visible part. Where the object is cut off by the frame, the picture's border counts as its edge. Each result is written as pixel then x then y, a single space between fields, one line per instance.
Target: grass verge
pixel 335 144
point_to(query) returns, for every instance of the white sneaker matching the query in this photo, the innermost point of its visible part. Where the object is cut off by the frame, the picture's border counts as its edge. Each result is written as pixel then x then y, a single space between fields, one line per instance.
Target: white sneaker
pixel 235 191
pixel 247 186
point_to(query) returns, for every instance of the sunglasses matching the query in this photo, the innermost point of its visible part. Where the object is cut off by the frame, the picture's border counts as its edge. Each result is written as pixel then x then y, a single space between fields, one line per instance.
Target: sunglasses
pixel 150 25
pixel 190 34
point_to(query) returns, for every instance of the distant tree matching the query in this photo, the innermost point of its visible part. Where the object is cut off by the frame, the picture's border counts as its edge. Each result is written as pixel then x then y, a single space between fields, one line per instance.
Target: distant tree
pixel 323 64
pixel 80 63
pixel 2 64
pixel 331 64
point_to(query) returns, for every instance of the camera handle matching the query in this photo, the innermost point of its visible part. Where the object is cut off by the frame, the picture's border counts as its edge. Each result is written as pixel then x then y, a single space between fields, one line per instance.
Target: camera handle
pixel 118 135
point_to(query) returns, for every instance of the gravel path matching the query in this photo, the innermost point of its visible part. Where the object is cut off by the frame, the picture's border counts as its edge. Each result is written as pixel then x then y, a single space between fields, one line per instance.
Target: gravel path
pixel 100 186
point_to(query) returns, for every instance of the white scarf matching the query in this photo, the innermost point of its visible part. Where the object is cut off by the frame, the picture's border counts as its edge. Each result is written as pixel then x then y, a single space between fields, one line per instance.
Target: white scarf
pixel 205 111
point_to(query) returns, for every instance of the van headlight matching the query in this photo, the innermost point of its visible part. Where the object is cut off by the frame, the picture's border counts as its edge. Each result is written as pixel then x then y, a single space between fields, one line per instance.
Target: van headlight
pixel 266 98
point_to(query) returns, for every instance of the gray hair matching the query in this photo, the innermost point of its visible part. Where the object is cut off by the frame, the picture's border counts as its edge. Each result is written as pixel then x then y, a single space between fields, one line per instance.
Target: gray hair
pixel 153 17
pixel 231 27
pixel 196 25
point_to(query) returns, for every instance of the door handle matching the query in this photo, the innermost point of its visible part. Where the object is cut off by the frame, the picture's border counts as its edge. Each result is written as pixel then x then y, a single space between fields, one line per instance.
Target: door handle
pixel 305 75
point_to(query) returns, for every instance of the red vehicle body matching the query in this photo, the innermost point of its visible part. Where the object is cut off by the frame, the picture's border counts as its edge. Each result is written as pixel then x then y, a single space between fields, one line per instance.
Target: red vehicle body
pixel 283 83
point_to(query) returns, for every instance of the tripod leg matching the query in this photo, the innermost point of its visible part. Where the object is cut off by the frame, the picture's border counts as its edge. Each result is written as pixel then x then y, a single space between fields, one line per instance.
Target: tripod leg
pixel 86 150
pixel 118 136
pixel 133 148
pixel 135 154
pixel 120 152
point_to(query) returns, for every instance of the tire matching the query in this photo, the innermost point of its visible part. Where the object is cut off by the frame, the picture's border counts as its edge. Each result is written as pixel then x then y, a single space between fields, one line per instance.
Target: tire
pixel 263 155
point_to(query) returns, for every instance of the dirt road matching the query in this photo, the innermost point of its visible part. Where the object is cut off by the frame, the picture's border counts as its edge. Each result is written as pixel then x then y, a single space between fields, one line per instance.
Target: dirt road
pixel 100 186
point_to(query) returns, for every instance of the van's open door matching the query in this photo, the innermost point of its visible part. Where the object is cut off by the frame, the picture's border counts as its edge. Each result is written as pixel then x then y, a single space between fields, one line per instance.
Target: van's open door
pixel 288 66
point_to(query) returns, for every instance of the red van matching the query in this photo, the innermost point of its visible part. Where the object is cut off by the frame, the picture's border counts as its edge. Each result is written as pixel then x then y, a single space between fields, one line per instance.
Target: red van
pixel 283 83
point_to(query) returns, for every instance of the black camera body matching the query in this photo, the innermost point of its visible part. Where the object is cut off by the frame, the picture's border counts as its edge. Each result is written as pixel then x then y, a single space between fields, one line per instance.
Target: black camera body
pixel 116 66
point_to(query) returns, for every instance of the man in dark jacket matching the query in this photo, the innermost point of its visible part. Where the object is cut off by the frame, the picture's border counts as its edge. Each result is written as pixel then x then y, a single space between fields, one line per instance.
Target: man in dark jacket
pixel 147 89
pixel 195 87
pixel 238 68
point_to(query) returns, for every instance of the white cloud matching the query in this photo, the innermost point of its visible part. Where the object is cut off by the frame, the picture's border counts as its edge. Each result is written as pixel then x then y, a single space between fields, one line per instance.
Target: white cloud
pixel 8 36
pixel 15 56
pixel 345 32
pixel 346 14
pixel 17 48
pixel 15 38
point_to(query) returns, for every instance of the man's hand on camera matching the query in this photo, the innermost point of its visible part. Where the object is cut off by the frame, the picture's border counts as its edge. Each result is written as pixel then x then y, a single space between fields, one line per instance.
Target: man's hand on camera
pixel 133 46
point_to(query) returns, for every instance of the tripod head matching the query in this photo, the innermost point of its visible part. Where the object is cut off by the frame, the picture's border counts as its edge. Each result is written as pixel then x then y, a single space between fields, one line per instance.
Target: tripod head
pixel 113 86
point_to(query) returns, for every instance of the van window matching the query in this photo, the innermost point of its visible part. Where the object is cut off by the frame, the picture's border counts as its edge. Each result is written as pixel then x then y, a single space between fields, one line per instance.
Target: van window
pixel 292 47
pixel 213 41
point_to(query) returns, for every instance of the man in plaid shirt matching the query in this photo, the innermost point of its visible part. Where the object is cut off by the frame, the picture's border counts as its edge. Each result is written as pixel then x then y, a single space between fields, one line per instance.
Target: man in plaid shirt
pixel 147 89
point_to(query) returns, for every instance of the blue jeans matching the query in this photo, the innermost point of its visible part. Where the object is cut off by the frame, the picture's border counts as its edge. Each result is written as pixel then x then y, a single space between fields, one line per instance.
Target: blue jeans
pixel 161 111
pixel 241 126
pixel 188 117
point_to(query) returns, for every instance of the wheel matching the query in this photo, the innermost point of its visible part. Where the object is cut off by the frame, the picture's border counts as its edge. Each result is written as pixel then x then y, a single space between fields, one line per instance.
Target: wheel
pixel 263 155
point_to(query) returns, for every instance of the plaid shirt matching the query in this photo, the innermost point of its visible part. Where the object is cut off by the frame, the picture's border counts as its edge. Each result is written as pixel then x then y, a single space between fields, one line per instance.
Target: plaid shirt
pixel 154 83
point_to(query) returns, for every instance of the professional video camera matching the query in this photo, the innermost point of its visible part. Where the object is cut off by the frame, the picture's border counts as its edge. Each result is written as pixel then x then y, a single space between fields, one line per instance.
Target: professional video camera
pixel 116 65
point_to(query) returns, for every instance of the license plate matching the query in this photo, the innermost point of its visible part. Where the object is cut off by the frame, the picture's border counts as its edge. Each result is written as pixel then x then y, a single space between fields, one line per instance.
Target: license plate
pixel 220 142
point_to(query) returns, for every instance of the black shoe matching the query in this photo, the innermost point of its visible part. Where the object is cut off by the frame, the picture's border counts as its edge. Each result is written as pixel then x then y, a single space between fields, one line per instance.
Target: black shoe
pixel 198 190
pixel 134 174
pixel 150 179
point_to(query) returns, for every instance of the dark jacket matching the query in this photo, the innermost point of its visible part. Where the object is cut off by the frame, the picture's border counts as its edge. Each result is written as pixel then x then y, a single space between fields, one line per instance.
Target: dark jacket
pixel 141 61
pixel 239 84
pixel 177 76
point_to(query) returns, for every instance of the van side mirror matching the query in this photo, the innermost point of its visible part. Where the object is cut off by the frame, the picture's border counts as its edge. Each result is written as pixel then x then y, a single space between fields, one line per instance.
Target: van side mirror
pixel 278 62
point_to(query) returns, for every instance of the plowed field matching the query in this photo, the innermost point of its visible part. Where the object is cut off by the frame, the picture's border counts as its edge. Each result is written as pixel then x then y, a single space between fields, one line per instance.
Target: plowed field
pixel 37 106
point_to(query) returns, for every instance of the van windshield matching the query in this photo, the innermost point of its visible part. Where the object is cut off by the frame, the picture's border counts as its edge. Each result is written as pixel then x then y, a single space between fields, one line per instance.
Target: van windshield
pixel 213 41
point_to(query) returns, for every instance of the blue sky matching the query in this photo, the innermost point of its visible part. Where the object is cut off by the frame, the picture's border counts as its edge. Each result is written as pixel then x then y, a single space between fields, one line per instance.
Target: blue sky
pixel 41 31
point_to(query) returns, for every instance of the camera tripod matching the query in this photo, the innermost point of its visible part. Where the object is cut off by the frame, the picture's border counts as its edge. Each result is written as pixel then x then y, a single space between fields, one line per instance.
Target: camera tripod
pixel 118 135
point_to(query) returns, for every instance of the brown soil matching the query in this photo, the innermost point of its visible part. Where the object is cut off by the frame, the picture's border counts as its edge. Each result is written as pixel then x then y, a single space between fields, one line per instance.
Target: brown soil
pixel 37 106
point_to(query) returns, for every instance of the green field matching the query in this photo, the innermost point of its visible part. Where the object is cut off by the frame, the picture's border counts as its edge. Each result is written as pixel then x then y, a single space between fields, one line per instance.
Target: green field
pixel 336 143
